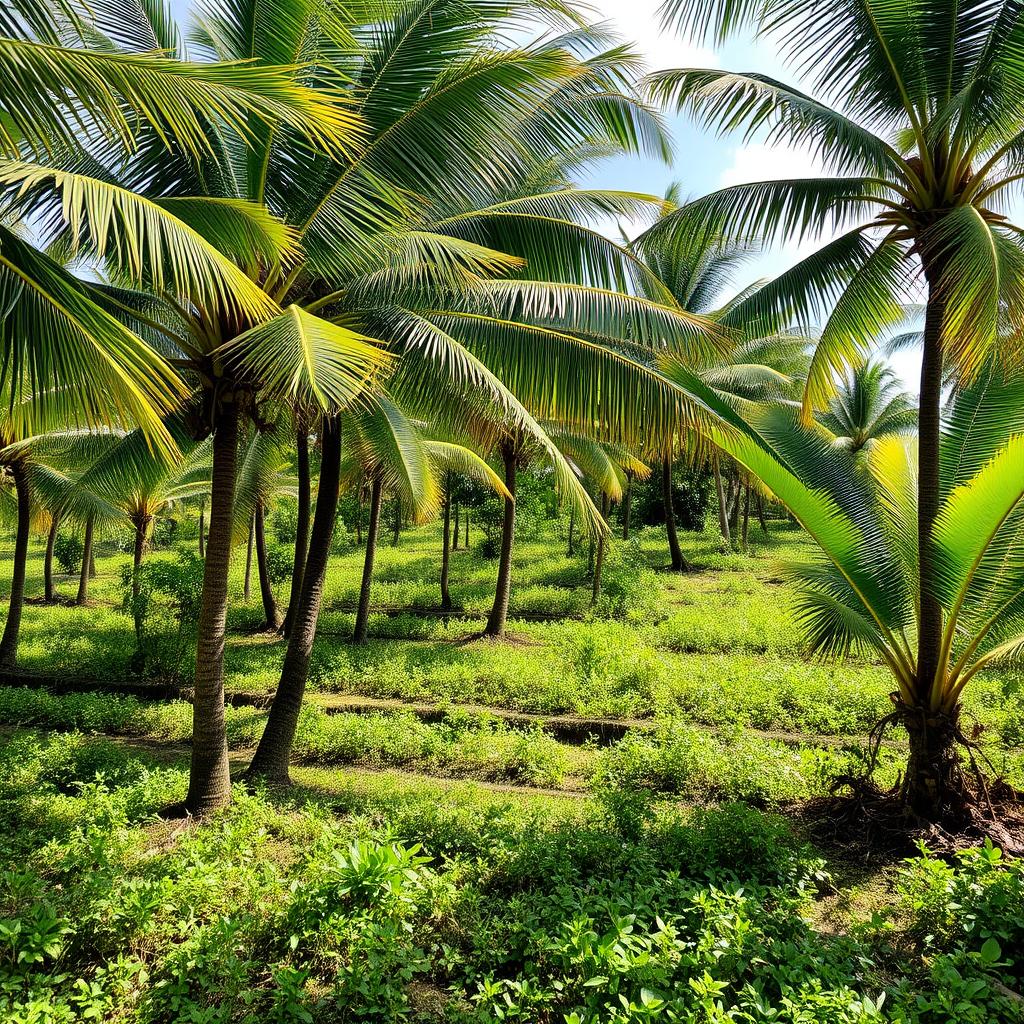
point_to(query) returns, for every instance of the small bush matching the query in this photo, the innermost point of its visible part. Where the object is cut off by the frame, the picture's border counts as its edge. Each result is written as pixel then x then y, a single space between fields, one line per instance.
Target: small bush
pixel 68 550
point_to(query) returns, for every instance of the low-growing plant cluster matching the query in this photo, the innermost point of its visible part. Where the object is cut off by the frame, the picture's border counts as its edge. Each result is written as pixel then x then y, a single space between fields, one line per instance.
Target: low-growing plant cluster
pixel 437 905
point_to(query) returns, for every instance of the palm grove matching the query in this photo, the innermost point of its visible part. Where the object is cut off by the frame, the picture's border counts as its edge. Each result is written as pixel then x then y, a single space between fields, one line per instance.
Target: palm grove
pixel 357 232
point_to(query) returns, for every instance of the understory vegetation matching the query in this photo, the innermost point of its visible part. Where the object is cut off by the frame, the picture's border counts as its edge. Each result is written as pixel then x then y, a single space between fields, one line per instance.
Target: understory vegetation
pixel 634 852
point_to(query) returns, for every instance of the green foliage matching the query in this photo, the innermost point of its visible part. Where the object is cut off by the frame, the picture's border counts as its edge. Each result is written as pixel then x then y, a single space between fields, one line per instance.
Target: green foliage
pixel 629 588
pixel 280 560
pixel 691 497
pixel 67 549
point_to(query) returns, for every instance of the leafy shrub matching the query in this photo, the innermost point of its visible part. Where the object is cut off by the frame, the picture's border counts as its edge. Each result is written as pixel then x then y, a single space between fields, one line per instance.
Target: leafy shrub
pixel 167 607
pixel 280 561
pixel 284 521
pixel 68 550
pixel 629 588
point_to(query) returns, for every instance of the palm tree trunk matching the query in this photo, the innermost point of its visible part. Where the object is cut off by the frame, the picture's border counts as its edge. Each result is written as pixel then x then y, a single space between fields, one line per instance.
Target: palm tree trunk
pixel 49 595
pixel 247 586
pixel 933 778
pixel 446 543
pixel 602 542
pixel 455 538
pixel 627 503
pixel 499 610
pixel 141 525
pixel 363 611
pixel 209 786
pixel 678 562
pixel 760 514
pixel 202 529
pixel 83 577
pixel 270 614
pixel 737 506
pixel 466 517
pixel 746 518
pixel 12 627
pixel 274 751
pixel 302 528
pixel 723 512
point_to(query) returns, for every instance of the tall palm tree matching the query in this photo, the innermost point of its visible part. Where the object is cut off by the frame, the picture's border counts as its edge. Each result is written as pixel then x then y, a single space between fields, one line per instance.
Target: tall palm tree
pixel 60 341
pixel 696 269
pixel 264 474
pixel 917 116
pixel 869 404
pixel 201 250
pixel 397 454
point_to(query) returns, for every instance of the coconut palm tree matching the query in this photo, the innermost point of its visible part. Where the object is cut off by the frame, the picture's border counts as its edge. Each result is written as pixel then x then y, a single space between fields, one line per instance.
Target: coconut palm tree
pixel 861 509
pixel 696 270
pixel 264 474
pixel 61 343
pixel 869 404
pixel 610 470
pixel 917 117
pixel 396 454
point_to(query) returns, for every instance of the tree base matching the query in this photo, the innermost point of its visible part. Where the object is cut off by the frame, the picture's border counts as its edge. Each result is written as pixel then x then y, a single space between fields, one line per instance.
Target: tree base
pixel 879 822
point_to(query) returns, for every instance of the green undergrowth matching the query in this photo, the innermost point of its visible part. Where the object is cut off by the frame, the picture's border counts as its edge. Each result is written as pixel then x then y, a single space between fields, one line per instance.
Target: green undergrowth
pixel 434 904
pixel 671 758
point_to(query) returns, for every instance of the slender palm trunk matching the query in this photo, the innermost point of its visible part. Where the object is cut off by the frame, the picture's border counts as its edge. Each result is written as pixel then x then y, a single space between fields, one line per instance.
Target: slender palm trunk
pixel 723 512
pixel 446 544
pixel 678 562
pixel 627 503
pixel 363 611
pixel 737 508
pixel 209 786
pixel 49 594
pixel 202 529
pixel 247 586
pixel 83 576
pixel 141 526
pixel 746 518
pixel 301 530
pixel 270 614
pixel 455 539
pixel 12 627
pixel 760 514
pixel 499 610
pixel 274 751
pixel 466 517
pixel 933 779
pixel 602 543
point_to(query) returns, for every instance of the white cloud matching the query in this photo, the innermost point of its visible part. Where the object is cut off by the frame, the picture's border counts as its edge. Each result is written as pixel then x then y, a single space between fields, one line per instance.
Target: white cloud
pixel 757 161
pixel 637 21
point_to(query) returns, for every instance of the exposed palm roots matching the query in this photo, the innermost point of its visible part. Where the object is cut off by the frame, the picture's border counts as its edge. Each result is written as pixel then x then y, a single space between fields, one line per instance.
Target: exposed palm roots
pixel 950 796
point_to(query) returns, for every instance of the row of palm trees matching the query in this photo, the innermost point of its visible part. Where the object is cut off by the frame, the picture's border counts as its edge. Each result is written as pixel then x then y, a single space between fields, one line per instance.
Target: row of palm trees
pixel 363 225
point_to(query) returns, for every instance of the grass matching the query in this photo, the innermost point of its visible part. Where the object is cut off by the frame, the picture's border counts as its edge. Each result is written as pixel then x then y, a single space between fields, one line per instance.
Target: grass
pixel 374 898
pixel 468 869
